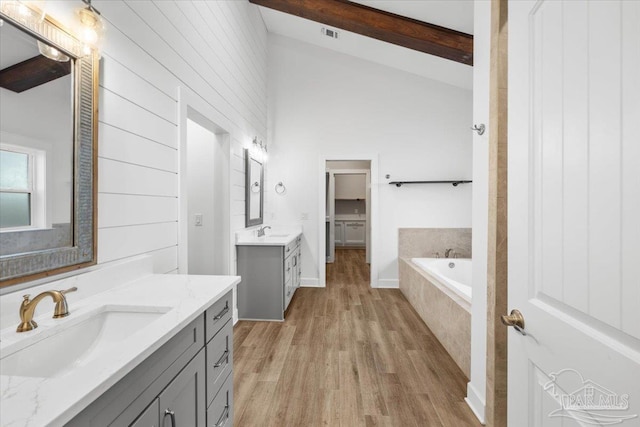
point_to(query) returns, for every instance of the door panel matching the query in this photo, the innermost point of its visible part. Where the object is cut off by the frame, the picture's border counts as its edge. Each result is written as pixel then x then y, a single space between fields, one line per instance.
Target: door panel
pixel 574 209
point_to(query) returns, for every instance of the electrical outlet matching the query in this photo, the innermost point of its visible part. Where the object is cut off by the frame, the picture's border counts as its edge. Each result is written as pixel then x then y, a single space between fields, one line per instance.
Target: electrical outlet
pixel 198 219
pixel 356 211
pixel 304 216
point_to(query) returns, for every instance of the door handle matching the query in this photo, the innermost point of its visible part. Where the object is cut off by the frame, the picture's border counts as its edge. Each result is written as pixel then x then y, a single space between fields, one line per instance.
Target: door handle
pixel 515 319
pixel 172 415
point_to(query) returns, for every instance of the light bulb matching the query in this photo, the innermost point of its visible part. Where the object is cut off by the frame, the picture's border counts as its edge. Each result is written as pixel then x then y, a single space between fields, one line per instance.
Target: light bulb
pixel 89 35
pixel 23 10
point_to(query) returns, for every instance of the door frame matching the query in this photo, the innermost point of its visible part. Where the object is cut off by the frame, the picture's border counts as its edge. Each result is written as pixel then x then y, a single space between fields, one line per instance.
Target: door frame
pixel 192 107
pixel 497 239
pixel 372 208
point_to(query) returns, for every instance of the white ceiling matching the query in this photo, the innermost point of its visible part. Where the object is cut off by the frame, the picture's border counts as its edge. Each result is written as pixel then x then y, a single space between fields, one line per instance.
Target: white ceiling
pixel 454 14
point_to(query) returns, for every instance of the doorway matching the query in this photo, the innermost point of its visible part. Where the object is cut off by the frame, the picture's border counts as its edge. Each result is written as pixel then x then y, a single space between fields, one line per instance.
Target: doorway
pixel 205 197
pixel 347 216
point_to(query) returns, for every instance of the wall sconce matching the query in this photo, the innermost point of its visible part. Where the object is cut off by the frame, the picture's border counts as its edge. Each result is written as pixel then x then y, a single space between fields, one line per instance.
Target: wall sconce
pixel 91 28
pixel 259 148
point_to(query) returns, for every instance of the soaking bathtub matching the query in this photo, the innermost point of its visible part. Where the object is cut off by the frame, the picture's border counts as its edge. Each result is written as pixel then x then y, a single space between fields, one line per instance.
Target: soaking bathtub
pixel 440 292
pixel 454 273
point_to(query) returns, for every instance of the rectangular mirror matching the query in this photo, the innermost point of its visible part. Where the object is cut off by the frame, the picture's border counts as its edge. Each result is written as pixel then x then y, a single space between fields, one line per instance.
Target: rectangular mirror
pixel 254 193
pixel 47 148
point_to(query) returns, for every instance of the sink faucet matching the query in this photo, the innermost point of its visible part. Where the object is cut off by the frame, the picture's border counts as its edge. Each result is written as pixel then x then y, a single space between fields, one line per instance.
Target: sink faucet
pixel 447 252
pixel 262 229
pixel 28 307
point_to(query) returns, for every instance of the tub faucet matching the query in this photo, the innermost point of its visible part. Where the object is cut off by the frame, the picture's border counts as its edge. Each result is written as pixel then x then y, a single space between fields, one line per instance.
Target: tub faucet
pixel 447 252
pixel 28 307
pixel 261 230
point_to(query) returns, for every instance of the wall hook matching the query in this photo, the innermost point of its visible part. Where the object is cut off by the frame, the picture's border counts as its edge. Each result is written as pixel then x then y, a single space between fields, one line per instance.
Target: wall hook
pixel 480 129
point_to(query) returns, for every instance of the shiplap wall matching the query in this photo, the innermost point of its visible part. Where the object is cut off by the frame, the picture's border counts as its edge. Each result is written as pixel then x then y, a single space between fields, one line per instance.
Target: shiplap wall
pixel 217 51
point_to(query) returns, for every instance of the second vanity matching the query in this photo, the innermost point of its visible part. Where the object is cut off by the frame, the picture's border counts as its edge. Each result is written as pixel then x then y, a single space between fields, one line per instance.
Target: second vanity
pixel 270 269
pixel 152 350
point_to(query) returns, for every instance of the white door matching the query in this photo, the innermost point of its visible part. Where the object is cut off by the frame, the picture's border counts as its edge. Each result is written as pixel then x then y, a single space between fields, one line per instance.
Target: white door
pixel 574 212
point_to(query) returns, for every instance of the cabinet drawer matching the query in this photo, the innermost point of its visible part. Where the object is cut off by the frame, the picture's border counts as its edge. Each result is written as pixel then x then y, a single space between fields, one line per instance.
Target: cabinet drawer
pixel 219 359
pixel 288 267
pixel 220 413
pixel 289 289
pixel 289 249
pixel 218 314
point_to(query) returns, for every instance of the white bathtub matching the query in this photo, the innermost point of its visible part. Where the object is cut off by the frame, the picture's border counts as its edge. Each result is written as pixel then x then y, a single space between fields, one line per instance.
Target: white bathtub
pixel 454 273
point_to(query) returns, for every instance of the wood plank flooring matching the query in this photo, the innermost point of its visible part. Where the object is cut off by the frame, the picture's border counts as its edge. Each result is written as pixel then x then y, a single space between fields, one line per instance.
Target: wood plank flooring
pixel 346 355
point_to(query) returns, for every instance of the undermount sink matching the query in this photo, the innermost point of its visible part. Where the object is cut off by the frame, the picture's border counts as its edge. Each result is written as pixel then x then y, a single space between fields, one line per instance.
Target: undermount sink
pixel 76 344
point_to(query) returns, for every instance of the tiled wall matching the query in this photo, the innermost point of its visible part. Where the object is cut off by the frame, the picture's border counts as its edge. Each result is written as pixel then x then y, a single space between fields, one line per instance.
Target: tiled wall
pixel 425 242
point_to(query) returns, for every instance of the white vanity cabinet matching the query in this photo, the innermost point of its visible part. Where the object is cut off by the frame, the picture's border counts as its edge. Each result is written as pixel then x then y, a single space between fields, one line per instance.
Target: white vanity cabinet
pixel 188 382
pixel 355 233
pixel 271 273
pixel 350 233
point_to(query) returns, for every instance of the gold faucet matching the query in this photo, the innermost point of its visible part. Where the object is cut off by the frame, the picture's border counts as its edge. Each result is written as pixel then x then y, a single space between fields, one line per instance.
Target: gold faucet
pixel 28 307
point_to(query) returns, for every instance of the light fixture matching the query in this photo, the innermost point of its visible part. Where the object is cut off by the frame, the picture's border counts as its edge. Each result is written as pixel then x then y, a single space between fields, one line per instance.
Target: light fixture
pixel 51 52
pixel 91 28
pixel 25 12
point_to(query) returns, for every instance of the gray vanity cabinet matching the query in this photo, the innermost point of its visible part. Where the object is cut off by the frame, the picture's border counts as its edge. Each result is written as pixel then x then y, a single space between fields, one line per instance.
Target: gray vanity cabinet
pixel 150 417
pixel 178 385
pixel 182 403
pixel 270 277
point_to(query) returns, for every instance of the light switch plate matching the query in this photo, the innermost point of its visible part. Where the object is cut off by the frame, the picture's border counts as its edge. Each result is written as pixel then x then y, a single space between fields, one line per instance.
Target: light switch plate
pixel 304 216
pixel 198 219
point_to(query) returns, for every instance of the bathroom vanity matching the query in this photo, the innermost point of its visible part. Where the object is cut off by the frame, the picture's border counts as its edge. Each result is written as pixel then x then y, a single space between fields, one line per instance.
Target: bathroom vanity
pixel 153 350
pixel 270 269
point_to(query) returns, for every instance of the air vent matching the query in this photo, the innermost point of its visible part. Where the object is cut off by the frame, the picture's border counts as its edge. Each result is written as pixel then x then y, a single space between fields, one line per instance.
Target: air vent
pixel 330 33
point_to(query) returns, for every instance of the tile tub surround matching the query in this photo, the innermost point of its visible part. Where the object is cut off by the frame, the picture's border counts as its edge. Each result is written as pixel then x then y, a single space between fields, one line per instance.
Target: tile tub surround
pixel 28 401
pixel 446 315
pixel 425 242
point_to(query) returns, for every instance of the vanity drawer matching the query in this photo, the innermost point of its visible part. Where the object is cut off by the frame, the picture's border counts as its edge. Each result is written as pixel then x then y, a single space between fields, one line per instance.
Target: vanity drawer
pixel 219 359
pixel 289 249
pixel 218 314
pixel 220 413
pixel 288 268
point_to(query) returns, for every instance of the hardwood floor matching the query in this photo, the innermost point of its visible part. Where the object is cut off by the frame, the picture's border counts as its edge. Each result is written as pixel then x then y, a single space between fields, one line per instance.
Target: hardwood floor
pixel 347 355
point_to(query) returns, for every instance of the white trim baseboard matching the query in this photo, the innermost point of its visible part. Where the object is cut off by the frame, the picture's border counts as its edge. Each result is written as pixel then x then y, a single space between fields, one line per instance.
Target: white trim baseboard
pixel 475 402
pixel 310 282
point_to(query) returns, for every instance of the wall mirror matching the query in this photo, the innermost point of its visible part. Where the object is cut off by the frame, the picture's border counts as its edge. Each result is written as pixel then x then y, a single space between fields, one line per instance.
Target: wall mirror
pixel 254 189
pixel 48 141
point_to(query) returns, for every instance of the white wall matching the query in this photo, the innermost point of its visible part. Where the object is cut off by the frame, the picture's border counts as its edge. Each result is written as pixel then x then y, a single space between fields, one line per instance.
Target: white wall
pixel 326 103
pixel 481 45
pixel 155 50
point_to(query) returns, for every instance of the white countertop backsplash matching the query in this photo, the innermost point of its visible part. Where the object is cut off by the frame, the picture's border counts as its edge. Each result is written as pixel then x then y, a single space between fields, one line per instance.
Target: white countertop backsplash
pixel 33 401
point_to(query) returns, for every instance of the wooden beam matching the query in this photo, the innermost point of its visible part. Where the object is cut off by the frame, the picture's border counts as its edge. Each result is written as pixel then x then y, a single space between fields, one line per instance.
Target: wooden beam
pixel 32 72
pixel 381 25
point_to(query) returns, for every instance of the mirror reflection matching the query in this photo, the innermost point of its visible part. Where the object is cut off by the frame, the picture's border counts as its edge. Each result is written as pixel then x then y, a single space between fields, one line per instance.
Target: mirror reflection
pixel 254 190
pixel 36 144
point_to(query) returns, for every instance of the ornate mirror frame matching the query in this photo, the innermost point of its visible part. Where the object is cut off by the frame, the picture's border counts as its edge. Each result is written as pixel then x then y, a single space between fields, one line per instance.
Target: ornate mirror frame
pixel 83 251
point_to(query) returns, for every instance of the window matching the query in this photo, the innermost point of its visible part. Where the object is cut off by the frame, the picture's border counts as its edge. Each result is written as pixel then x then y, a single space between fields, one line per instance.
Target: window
pixel 19 200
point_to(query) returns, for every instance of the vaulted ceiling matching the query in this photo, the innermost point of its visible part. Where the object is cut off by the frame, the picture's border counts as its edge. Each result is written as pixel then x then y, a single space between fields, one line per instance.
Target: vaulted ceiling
pixel 431 38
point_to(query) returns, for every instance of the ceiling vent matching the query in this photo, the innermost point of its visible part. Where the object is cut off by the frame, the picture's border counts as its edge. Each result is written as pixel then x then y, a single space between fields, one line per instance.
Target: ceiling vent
pixel 330 33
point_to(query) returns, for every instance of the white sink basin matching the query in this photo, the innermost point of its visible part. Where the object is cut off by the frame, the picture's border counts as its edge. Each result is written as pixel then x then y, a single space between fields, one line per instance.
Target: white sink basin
pixel 277 235
pixel 75 344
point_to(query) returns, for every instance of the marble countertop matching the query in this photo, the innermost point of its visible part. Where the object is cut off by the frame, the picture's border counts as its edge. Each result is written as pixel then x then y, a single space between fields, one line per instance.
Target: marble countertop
pixel 35 401
pixel 277 236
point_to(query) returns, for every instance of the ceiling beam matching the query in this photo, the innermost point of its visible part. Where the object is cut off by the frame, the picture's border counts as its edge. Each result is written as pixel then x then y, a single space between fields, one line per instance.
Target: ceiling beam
pixel 381 25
